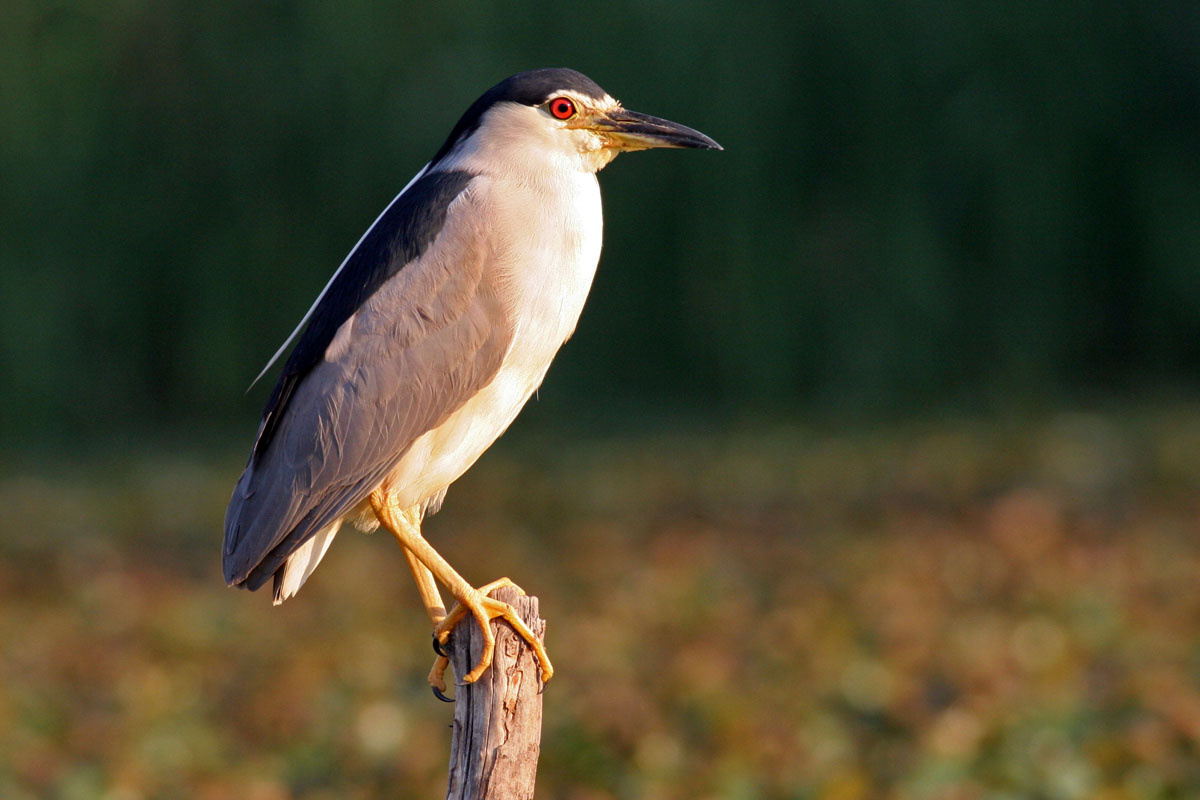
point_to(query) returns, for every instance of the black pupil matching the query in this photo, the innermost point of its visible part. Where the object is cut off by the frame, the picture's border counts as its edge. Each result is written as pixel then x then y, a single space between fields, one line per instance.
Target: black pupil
pixel 562 108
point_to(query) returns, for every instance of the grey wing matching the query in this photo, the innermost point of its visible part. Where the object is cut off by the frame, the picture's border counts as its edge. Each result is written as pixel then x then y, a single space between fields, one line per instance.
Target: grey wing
pixel 422 345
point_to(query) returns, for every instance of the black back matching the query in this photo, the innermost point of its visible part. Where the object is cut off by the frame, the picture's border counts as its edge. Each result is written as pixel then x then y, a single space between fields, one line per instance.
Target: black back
pixel 406 228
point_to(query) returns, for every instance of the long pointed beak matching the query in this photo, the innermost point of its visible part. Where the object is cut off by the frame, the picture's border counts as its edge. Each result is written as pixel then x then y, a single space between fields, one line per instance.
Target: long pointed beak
pixel 631 130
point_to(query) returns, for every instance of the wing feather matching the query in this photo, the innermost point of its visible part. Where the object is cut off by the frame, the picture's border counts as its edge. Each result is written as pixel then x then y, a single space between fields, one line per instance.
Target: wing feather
pixel 431 336
pixel 401 234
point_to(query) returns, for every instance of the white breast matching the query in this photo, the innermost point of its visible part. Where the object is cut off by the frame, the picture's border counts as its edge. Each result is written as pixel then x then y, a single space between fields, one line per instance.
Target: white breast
pixel 550 244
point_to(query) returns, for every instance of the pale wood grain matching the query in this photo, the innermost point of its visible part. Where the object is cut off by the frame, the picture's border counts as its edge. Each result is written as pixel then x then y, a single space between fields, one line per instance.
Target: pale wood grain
pixel 497 719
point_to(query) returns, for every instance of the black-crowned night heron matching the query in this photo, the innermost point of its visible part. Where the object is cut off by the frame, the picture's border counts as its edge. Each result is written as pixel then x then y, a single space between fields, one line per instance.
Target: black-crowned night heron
pixel 431 336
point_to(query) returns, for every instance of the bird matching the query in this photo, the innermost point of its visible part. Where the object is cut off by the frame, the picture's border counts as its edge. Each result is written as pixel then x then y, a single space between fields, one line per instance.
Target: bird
pixel 430 337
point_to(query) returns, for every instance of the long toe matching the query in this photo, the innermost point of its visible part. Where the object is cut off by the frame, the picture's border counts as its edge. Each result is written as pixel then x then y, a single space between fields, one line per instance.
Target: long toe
pixel 484 609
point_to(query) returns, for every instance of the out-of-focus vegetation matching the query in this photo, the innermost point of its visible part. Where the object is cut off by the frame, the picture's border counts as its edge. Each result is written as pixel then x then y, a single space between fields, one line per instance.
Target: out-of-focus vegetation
pixel 920 203
pixel 964 611
pixel 987 209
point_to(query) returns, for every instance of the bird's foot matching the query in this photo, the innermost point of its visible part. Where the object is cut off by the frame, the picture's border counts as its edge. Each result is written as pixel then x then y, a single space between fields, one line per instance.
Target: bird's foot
pixel 484 609
pixel 437 680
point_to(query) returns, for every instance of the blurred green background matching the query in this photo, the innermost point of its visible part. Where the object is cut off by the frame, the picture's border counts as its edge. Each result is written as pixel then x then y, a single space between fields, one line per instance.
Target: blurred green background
pixel 921 205
pixel 872 470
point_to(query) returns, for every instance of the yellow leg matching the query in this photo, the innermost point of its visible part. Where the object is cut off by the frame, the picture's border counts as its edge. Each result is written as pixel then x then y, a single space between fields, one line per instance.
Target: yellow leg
pixel 432 600
pixel 430 597
pixel 405 526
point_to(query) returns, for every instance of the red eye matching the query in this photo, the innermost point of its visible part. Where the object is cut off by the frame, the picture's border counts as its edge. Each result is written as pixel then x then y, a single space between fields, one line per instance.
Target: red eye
pixel 562 108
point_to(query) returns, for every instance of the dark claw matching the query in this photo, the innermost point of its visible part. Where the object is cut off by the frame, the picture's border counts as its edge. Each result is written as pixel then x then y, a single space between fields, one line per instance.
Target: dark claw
pixel 437 648
pixel 438 694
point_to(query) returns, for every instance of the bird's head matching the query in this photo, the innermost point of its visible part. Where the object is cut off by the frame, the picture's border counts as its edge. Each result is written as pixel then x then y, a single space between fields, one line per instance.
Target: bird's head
pixel 556 117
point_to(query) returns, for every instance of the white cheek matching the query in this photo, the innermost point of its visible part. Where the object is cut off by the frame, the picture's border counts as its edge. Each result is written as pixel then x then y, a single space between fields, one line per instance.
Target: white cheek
pixel 591 142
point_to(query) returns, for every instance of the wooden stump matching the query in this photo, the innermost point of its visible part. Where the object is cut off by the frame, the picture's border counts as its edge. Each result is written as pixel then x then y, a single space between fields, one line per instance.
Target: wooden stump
pixel 497 719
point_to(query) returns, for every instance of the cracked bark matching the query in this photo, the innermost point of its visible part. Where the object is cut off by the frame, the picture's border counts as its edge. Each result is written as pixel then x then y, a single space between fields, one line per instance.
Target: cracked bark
pixel 498 719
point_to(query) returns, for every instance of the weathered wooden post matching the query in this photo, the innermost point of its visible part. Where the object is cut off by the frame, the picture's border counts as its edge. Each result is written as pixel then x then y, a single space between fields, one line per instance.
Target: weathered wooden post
pixel 497 719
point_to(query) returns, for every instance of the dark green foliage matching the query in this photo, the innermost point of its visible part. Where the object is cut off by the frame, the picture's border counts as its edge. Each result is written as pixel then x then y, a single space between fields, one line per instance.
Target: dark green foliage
pixel 919 203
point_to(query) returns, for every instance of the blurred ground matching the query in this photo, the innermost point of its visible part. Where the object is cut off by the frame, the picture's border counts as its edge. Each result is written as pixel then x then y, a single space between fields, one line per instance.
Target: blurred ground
pixel 965 610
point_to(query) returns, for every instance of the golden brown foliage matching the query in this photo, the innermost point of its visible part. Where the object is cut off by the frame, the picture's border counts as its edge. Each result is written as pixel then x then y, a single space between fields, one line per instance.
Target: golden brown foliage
pixel 957 611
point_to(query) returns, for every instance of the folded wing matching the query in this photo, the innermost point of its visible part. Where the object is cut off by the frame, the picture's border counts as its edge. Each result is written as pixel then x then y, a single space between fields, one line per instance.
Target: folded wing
pixel 409 330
